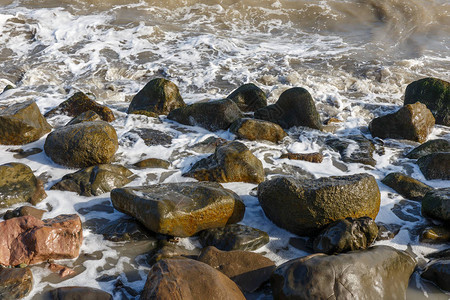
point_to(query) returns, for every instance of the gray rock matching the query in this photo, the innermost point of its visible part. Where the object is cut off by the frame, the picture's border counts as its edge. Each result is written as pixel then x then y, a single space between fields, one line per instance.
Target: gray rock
pixel 354 149
pixel 435 166
pixel 152 137
pixel 430 147
pixel 436 204
pixel 406 186
pixel 209 145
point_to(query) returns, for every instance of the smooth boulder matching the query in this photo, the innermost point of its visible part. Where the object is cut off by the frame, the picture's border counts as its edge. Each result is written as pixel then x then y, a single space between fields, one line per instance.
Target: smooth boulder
pixel 257 130
pixel 438 272
pixel 15 283
pixel 435 166
pixel 406 186
pixel 436 204
pixel 249 97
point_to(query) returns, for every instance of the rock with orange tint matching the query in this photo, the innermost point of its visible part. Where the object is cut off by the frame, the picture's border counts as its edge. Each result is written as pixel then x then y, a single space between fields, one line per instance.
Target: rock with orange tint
pixel 309 157
pixel 61 270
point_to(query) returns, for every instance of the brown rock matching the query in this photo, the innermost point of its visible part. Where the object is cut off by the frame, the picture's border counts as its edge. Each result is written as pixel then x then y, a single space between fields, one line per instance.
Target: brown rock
pixel 62 271
pixel 255 130
pixel 310 157
pixel 24 211
pixel 15 283
pixel 87 116
pixel 153 163
pixel 406 186
pixel 249 97
pixel 435 235
pixel 78 293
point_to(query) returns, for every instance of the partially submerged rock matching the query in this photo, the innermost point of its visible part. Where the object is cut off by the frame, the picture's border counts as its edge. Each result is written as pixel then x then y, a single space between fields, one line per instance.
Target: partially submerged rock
pixel 256 130
pixel 354 149
pixel 15 283
pixel 152 137
pixel 249 97
pixel 208 145
pixel 435 235
pixel 168 249
pixel 152 163
pixel 309 157
pixel 430 147
pixel 438 272
pixel 78 293
pixel 435 166
pixel 87 116
pixel 24 211
pixel 406 186
pixel 436 204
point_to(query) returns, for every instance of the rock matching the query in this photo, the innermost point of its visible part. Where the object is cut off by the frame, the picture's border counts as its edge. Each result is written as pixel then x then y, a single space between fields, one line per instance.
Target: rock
pixel 82 145
pixel 168 249
pixel 435 235
pixel 406 186
pixel 152 137
pixel 295 107
pixel 255 130
pixel 435 94
pixel 22 123
pixel 188 279
pixel 436 204
pixel 153 163
pixel 249 97
pixel 24 211
pixel 234 237
pixel 440 254
pixel 95 180
pixel 430 147
pixel 87 116
pixel 411 122
pixel 387 231
pixel 247 269
pixel 380 272
pixel 21 153
pixel 435 166
pixel 231 162
pixel 346 235
pixel 354 149
pixel 159 96
pixel 125 229
pixel 78 293
pixel 212 115
pixel 438 271
pixel 180 209
pixel 305 207
pixel 31 241
pixel 62 271
pixel 209 145
pixel 7 88
pixel 315 157
pixel 15 283
pixel 18 184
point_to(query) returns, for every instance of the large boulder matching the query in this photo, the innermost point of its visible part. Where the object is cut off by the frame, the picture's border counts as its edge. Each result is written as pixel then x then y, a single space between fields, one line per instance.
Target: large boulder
pixel 30 241
pixel 354 149
pixel 158 97
pixel 82 145
pixel 295 107
pixel 436 204
pixel 249 97
pixel 188 279
pixel 435 94
pixel 18 184
pixel 438 272
pixel 406 186
pixel 305 207
pixel 429 147
pixel 411 122
pixel 78 293
pixel 379 272
pixel 212 115
pixel 435 166
pixel 22 123
pixel 15 283
pixel 231 162
pixel 256 130
pixel 180 209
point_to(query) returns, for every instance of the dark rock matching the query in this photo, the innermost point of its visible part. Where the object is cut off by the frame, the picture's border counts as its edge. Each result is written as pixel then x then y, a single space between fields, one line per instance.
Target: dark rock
pixel 15 283
pixel 354 149
pixel 153 163
pixel 159 96
pixel 152 137
pixel 411 122
pixel 440 254
pixel 249 97
pixel 87 116
pixel 438 271
pixel 168 249
pixel 234 237
pixel 430 147
pixel 435 235
pixel 209 145
pixel 231 162
pixel 309 157
pixel 435 94
pixel 82 145
pixel 21 153
pixel 387 231
pixel 379 272
pixel 22 123
pixel 295 107
pixel 346 235
pixel 305 207
pixel 24 211
pixel 435 166
pixel 255 130
pixel 406 186
pixel 125 229
pixel 7 88
pixel 436 204
pixel 180 209
pixel 78 293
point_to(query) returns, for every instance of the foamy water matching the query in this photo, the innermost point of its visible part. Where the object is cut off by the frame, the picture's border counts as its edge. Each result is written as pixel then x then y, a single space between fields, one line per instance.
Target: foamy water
pixel 354 57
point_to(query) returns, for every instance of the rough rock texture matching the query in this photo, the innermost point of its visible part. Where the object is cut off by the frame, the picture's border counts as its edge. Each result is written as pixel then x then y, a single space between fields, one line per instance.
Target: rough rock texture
pixel 180 209
pixel 95 180
pixel 435 235
pixel 125 229
pixel 61 270
pixel 82 145
pixel 234 237
pixel 412 122
pixel 87 116
pixel 406 186
pixel 435 94
pixel 188 279
pixel 436 204
pixel 208 145
pixel 22 123
pixel 305 207
pixel 379 272
pixel 230 163
pixel 247 269
pixel 24 211
pixel 438 271
pixel 435 166
pixel 354 149
pixel 159 96
pixel 29 240
pixel 430 147
pixel 295 107
pixel 79 293
pixel 152 163
pixel 18 184
pixel 213 115
pixel 152 137
pixel 309 157
pixel 80 103
pixel 249 97
pixel 256 130
pixel 169 249
pixel 346 235
pixel 15 283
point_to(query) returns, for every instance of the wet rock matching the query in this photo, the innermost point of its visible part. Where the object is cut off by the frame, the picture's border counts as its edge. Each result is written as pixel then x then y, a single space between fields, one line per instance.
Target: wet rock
pixel 22 123
pixel 411 122
pixel 387 231
pixel 212 115
pixel 435 235
pixel 82 145
pixel 18 184
pixel 436 204
pixel 152 163
pixel 346 235
pixel 21 153
pixel 188 279
pixel 309 157
pixel 435 94
pixel 438 272
pixel 15 283
pixel 231 162
pixel 180 209
pixel 152 137
pixel 445 254
pixel 354 149
pixel 430 147
pixel 125 229
pixel 78 292
pixel 7 88
pixel 79 103
pixel 31 241
pixel 95 180
pixel 380 272
pixel 169 249
pixel 87 116
pixel 295 107
pixel 234 237
pixel 24 211
pixel 159 96
pixel 247 269
pixel 249 97
pixel 256 130
pixel 435 166
pixel 305 207
pixel 209 145
pixel 406 186
pixel 62 271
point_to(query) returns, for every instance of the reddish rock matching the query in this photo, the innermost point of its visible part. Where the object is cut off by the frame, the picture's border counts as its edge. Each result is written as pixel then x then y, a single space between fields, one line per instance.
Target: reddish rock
pixel 62 271
pixel 24 211
pixel 310 157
